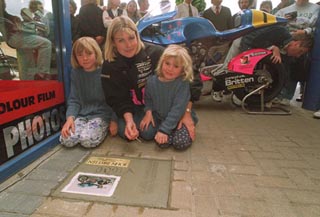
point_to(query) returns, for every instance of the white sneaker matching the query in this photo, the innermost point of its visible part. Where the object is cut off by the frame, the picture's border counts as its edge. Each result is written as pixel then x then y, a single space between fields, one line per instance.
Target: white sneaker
pixel 217 96
pixel 276 101
pixel 285 102
pixel 236 100
pixel 317 114
pixel 268 105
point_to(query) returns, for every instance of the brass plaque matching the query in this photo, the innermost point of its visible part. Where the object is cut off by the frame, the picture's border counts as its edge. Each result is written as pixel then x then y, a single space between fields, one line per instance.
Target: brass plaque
pixel 109 162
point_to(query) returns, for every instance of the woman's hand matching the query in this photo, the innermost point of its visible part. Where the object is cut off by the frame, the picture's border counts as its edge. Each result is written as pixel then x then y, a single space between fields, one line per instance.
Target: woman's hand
pixel 113 128
pixel 65 132
pixel 161 138
pixel 188 122
pixel 147 119
pixel 130 131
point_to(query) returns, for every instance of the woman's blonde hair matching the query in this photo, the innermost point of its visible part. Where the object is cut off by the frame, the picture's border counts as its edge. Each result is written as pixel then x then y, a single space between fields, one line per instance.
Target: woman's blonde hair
pixel 182 58
pixel 121 23
pixel 89 45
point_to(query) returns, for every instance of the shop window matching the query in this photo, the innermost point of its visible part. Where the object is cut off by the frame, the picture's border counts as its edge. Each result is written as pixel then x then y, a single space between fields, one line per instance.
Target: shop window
pixel 27 50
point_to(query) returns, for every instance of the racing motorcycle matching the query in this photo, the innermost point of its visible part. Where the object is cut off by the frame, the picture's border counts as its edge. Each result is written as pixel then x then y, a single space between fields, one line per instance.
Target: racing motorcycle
pixel 250 76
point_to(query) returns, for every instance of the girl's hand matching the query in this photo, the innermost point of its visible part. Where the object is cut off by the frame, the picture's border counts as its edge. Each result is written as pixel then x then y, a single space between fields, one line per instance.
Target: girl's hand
pixel 113 128
pixel 188 122
pixel 147 119
pixel 130 131
pixel 161 138
pixel 65 132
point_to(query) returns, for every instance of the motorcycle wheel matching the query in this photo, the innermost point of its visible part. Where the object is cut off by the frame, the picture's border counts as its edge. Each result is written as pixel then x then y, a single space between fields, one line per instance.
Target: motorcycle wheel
pixel 265 69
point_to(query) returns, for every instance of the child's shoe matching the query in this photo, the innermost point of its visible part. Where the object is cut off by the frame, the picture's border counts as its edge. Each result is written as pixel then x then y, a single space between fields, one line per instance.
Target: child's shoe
pixel 317 114
pixel 217 96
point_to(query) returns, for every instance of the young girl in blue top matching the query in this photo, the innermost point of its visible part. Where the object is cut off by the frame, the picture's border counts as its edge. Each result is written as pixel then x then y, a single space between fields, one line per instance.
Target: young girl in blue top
pixel 88 116
pixel 166 98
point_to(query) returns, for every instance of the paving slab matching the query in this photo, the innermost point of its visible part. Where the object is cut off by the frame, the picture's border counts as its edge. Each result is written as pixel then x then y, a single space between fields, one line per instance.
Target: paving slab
pixel 143 182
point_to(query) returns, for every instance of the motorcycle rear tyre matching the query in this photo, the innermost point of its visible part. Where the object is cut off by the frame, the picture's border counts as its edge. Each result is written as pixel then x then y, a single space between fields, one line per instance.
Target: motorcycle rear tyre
pixel 278 75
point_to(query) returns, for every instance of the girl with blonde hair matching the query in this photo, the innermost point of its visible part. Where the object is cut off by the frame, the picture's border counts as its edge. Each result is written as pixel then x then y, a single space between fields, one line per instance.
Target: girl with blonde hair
pixel 167 95
pixel 88 116
pixel 132 11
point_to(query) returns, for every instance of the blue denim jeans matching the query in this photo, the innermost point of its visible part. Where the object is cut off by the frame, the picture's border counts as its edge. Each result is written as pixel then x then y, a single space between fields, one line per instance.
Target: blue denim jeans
pixel 27 42
pixel 138 115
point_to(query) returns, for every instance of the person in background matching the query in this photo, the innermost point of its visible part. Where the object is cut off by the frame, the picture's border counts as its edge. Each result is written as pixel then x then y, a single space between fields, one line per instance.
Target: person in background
pixel 276 38
pixel 128 64
pixel 27 42
pixel 317 113
pixel 302 16
pixel 220 16
pixel 88 116
pixel 282 4
pixel 112 12
pixel 165 6
pixel 143 7
pixel 166 98
pixel 36 7
pixel 266 6
pixel 186 9
pixel 123 5
pixel 254 4
pixel 34 16
pixel 243 5
pixel 132 11
pixel 75 30
pixel 90 22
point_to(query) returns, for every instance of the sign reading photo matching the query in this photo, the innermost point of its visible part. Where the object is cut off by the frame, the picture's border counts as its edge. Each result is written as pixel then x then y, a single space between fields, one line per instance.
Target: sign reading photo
pixel 30 112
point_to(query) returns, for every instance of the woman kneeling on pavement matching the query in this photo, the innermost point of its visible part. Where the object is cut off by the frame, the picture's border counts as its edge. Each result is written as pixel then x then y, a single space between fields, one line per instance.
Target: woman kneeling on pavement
pixel 128 64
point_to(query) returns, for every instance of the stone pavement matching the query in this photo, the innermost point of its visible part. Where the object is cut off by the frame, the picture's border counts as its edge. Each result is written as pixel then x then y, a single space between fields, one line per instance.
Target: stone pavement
pixel 239 166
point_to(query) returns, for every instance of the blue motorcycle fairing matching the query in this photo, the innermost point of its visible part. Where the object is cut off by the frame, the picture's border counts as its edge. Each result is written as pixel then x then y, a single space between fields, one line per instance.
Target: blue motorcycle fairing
pixel 147 21
pixel 185 30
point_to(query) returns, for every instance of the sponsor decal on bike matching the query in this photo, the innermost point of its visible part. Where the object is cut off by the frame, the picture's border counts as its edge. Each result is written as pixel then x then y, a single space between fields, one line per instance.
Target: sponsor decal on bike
pixel 244 59
pixel 237 81
pixel 258 53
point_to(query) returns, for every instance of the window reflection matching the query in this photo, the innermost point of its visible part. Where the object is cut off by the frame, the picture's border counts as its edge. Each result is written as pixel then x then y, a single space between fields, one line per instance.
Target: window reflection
pixel 27 40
